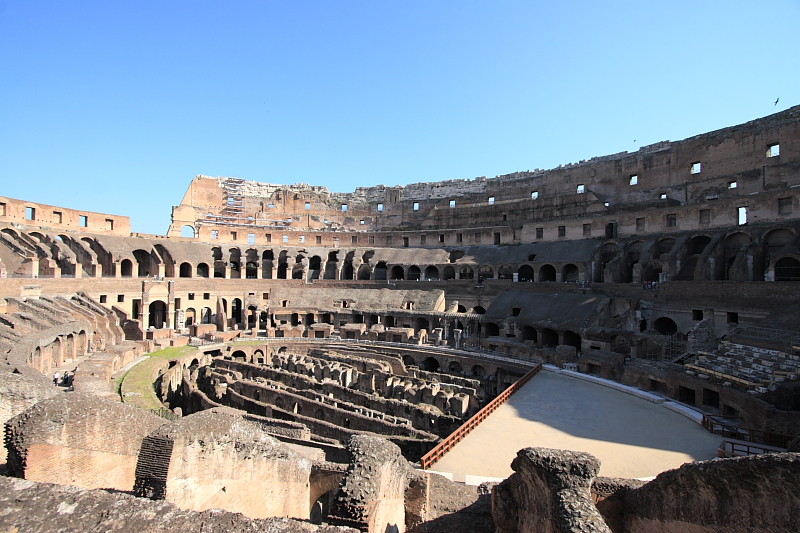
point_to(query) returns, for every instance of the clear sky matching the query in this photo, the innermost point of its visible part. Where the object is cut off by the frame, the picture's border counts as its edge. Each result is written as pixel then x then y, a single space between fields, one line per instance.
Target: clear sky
pixel 114 106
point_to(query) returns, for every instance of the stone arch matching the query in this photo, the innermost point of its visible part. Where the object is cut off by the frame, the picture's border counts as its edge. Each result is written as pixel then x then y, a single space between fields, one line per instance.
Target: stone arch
pixel 734 251
pixel 787 269
pixel 570 273
pixel 397 272
pixel 491 329
pixel 157 314
pixel 485 272
pixel 665 326
pixel 236 310
pixel 431 273
pixel 633 257
pixel 448 272
pixel 466 272
pixel 314 266
pixel 664 247
pixel 364 272
pixel 478 371
pixel 430 364
pixel 189 317
pixel 529 334
pixel 188 232
pixel 205 315
pixel 239 355
pixel 235 263
pixel 607 256
pixel 202 270
pixel 547 273
pixel 525 273
pixel 267 259
pixel 143 263
pixel 381 271
pixel 421 323
pixel 185 270
pixel 777 239
pixel 549 338
pixel 408 361
pixel 697 244
pixel 126 268
pixel 478 310
pixel 413 273
pixel 572 339
pixel 505 272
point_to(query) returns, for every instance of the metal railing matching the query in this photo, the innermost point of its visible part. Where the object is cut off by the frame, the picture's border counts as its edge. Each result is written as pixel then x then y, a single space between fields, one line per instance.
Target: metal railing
pixel 466 428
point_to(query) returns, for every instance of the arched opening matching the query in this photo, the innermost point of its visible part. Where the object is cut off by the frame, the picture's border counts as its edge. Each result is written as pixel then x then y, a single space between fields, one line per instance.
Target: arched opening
pixel 431 364
pixel 478 310
pixel 466 272
pixel 239 355
pixel 547 273
pixel 185 270
pixel 735 249
pixel 314 267
pixel 665 326
pixel 332 265
pixel 126 268
pixel 492 329
pixel 252 316
pixel 397 272
pixel 299 269
pixel 572 339
pixel 607 255
pixel 569 274
pixel 205 316
pixel 408 361
pixel 364 272
pixel 529 334
pixel 697 245
pixel 448 272
pixel 505 272
pixel 142 263
pixel 157 315
pixel 187 232
pixel 664 247
pixel 236 311
pixel 202 270
pixel 787 269
pixel 549 338
pixel 381 271
pixel 189 317
pixel 258 357
pixel 413 273
pixel 478 371
pixel 525 273
pixel 251 270
pixel 485 272
pixel 267 265
pixel 432 273
pixel 455 367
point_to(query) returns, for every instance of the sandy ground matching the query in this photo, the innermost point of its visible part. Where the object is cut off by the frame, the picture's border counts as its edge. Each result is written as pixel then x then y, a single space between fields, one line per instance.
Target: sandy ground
pixel 633 438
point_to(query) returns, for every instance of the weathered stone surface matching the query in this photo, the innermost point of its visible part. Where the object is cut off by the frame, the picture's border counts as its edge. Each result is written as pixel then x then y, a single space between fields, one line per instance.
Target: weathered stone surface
pixel 548 492
pixel 20 391
pixel 78 439
pixel 756 493
pixel 372 493
pixel 43 508
pixel 215 459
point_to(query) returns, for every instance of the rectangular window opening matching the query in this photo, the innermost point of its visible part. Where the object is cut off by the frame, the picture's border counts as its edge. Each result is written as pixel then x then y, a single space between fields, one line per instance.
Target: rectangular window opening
pixel 319 239
pixel 580 189
pixel 587 230
pixel 344 208
pixel 562 231
pixel 120 298
pixel 308 206
pixel 58 216
pixel 416 206
pixel 491 200
pixel 774 150
pixel 84 220
pixel 540 233
pixel 30 213
pixel 705 217
pixel 534 195
pixel 741 215
pixel 452 203
pixel 640 224
pixel 672 220
pixel 784 206
pixel 732 185
pixel 634 180
pixel 251 238
pixel 380 208
pixel 459 237
pixel 696 167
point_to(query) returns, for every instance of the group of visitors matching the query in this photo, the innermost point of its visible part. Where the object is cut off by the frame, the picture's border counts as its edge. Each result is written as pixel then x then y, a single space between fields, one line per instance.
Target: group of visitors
pixel 63 380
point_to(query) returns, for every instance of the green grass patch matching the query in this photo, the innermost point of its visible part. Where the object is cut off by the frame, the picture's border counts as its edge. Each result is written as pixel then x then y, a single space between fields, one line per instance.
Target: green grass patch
pixel 135 387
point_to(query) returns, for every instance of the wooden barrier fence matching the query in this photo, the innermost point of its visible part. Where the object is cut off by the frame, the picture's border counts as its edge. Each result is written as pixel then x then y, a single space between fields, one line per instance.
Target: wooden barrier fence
pixel 458 435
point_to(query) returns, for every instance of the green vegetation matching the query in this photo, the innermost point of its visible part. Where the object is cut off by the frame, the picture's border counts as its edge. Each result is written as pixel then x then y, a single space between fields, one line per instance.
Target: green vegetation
pixel 135 387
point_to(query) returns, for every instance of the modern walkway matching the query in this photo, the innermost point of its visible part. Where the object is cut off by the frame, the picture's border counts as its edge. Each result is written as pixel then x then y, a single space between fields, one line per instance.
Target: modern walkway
pixel 632 438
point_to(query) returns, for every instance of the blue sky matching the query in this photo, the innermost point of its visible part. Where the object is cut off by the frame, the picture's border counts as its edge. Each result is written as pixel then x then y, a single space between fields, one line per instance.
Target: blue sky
pixel 115 106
